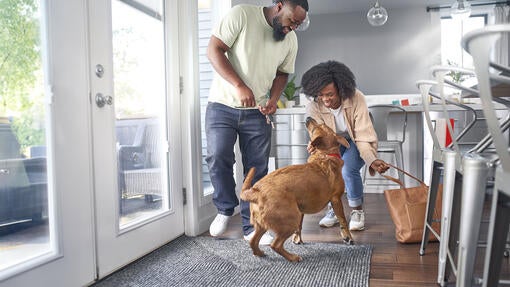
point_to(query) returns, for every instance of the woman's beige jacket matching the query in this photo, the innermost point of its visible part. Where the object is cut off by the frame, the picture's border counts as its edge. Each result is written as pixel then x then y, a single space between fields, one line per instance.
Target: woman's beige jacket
pixel 359 125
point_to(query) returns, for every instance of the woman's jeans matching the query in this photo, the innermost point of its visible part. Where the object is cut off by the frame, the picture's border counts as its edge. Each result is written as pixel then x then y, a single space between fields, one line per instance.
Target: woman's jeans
pixel 223 125
pixel 351 174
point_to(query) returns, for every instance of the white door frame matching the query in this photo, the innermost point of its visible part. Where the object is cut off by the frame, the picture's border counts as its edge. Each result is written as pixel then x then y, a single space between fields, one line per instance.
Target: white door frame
pixel 199 209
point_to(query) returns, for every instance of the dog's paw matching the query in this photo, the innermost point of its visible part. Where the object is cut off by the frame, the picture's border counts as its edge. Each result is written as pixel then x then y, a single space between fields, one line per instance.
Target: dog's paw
pixel 259 253
pixel 295 258
pixel 296 239
pixel 349 240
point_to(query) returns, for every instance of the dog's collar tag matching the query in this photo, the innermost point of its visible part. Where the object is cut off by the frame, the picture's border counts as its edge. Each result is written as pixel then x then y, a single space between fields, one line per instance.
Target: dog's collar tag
pixel 335 155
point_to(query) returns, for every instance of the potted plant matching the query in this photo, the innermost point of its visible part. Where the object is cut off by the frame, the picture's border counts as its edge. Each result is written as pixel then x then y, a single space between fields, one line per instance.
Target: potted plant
pixel 458 78
pixel 289 93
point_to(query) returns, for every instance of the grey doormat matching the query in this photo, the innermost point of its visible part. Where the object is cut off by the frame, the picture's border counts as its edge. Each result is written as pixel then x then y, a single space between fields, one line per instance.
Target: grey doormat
pixel 206 261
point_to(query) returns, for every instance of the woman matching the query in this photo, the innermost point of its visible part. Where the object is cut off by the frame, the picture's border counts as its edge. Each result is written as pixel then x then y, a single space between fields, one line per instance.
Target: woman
pixel 342 107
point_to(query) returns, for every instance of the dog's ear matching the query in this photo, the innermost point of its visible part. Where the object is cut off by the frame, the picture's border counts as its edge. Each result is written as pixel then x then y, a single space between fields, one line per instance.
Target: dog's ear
pixel 343 141
pixel 317 142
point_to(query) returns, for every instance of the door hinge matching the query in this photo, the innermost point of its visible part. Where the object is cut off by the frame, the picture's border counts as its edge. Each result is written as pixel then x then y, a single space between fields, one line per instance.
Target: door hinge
pixel 181 85
pixel 183 196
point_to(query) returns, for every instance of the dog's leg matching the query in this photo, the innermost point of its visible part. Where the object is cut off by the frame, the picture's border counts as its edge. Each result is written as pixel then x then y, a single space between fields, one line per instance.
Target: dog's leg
pixel 296 237
pixel 344 227
pixel 277 246
pixel 254 242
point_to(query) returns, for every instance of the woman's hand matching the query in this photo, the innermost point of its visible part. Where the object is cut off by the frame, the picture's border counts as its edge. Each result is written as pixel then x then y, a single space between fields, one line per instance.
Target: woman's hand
pixel 310 148
pixel 380 166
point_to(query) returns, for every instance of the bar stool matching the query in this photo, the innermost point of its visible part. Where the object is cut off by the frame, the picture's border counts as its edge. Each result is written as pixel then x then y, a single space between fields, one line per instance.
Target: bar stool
pixel 448 160
pixel 389 140
pixel 479 43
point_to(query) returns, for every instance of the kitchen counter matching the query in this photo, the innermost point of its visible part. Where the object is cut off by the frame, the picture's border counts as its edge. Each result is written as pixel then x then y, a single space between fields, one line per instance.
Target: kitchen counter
pixel 412 108
pixel 290 136
pixel 289 141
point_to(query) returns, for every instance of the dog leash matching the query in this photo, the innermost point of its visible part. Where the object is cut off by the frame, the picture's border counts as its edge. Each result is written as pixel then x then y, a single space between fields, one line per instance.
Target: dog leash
pixel 406 173
pixel 269 120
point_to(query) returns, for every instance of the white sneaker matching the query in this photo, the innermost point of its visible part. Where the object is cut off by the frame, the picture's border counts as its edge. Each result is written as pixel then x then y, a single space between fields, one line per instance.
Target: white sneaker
pixel 357 220
pixel 329 219
pixel 219 225
pixel 266 239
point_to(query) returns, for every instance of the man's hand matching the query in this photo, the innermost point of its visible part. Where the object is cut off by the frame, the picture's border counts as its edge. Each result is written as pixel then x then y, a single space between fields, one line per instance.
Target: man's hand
pixel 246 96
pixel 380 166
pixel 269 108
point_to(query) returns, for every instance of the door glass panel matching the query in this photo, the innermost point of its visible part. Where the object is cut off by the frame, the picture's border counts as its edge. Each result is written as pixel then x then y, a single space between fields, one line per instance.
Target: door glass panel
pixel 25 218
pixel 140 110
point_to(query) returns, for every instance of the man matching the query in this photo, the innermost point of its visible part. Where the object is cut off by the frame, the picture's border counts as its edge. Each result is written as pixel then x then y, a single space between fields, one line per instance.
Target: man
pixel 252 50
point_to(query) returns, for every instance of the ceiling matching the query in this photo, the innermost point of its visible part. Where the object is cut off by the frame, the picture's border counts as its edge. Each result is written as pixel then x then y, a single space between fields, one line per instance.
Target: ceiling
pixel 344 6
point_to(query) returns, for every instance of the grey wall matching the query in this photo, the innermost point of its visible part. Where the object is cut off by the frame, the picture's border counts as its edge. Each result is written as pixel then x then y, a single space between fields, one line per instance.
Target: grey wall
pixel 385 60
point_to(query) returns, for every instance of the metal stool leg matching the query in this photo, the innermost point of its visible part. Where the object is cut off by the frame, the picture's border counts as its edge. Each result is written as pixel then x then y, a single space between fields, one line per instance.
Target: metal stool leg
pixel 475 171
pixel 498 232
pixel 364 176
pixel 388 148
pixel 454 230
pixel 447 214
pixel 432 196
pixel 399 157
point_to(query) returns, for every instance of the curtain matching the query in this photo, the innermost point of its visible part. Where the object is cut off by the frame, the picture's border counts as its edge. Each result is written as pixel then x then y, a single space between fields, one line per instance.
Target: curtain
pixel 435 29
pixel 501 16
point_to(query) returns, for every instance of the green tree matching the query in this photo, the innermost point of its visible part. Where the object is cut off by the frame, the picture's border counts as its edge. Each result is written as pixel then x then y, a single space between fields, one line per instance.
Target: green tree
pixel 20 68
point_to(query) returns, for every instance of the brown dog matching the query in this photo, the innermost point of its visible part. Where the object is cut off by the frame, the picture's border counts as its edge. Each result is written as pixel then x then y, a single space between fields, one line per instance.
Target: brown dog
pixel 280 199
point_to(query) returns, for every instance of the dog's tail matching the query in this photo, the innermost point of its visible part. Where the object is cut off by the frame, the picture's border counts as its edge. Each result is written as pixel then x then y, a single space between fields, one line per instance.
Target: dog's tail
pixel 247 193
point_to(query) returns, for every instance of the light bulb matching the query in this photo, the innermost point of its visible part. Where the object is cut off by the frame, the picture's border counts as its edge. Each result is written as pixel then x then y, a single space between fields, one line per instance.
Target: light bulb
pixel 461 10
pixel 377 15
pixel 305 24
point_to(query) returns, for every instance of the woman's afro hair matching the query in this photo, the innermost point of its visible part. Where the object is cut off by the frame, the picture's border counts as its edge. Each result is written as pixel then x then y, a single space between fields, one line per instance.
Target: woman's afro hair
pixel 325 73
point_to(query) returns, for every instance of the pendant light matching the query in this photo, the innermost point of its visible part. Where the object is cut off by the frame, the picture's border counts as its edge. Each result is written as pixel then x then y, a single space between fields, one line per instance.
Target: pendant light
pixel 305 24
pixel 377 15
pixel 461 10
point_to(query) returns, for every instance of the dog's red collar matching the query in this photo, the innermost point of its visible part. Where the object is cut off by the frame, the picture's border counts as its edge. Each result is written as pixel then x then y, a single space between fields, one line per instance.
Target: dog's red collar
pixel 335 155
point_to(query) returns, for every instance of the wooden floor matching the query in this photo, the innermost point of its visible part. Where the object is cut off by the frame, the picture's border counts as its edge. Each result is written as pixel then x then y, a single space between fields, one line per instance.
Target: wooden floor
pixel 393 263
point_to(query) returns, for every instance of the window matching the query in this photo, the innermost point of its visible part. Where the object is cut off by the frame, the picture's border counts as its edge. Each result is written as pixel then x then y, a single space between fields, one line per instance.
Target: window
pixel 205 24
pixel 451 35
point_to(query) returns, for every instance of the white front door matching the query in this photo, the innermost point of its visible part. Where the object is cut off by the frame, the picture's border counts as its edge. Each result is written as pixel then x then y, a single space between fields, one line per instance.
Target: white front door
pixel 102 185
pixel 136 130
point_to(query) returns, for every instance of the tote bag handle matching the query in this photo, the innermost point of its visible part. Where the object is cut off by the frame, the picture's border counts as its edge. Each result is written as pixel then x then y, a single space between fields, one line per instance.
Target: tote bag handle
pixel 406 173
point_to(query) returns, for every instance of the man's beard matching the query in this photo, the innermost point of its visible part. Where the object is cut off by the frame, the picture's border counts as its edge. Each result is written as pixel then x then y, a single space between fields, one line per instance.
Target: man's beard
pixel 278 34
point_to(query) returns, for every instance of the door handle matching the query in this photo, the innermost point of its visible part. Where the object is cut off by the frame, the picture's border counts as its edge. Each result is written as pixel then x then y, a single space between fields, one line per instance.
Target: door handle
pixel 102 100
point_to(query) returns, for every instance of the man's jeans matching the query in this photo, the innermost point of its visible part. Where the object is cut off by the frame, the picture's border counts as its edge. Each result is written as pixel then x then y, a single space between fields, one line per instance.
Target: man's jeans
pixel 223 125
pixel 351 173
